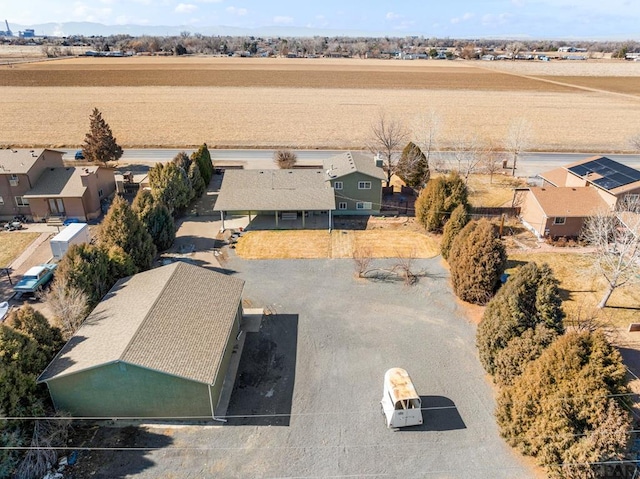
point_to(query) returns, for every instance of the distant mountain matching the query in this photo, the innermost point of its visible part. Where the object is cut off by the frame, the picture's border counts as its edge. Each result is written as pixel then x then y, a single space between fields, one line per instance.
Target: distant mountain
pixel 88 29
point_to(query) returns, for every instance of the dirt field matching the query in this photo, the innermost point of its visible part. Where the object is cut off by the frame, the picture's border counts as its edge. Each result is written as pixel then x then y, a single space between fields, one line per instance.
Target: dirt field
pixel 314 103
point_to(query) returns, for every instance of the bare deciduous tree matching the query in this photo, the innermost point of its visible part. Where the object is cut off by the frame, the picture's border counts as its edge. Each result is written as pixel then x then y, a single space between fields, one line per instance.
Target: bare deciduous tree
pixel 362 261
pixel 425 131
pixel 519 138
pixel 616 238
pixel 491 162
pixel 468 155
pixel 388 136
pixel 48 437
pixel 285 159
pixel 69 305
pixel 634 141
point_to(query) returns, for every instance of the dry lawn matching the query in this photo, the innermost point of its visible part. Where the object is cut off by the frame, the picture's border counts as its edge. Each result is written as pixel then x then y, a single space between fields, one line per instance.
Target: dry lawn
pixel 582 288
pixel 313 103
pixel 483 191
pixel 12 244
pixel 310 244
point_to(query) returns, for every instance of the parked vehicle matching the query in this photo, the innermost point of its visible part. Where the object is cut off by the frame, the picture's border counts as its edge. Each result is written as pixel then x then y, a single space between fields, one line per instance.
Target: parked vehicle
pixel 400 402
pixel 79 155
pixel 35 278
pixel 75 233
pixel 13 225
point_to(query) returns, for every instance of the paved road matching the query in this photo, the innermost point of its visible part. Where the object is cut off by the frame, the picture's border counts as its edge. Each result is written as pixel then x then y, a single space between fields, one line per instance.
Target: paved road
pixel 529 164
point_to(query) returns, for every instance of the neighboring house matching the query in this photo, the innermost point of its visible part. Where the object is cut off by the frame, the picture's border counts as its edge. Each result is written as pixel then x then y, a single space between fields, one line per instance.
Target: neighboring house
pixel 574 192
pixel 349 184
pixel 157 345
pixel 36 183
pixel 70 192
pixel 357 181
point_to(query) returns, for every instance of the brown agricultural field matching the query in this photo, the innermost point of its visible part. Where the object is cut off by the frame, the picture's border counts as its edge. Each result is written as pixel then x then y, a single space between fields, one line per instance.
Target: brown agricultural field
pixel 305 103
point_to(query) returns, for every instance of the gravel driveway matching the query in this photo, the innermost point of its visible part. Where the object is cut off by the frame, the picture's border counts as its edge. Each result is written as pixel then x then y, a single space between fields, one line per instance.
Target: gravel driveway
pixel 319 364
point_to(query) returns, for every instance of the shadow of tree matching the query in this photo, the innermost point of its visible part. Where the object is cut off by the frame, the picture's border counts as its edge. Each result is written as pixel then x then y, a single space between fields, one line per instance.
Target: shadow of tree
pixel 113 452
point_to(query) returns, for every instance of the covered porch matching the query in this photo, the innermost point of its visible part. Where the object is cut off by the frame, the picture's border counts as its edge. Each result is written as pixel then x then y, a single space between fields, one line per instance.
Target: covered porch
pixel 277 199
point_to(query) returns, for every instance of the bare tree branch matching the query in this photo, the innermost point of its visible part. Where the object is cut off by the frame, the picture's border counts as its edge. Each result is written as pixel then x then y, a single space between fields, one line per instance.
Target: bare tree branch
pixel 388 136
pixel 519 138
pixel 616 238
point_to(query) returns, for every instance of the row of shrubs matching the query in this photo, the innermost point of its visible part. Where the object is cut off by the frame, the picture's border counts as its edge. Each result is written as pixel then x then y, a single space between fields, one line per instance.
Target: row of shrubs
pixel 561 394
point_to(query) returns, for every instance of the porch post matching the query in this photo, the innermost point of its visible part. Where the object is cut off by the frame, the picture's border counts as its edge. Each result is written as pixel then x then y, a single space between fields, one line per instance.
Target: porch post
pixel 222 218
pixel 303 220
pixel 330 222
pixel 276 218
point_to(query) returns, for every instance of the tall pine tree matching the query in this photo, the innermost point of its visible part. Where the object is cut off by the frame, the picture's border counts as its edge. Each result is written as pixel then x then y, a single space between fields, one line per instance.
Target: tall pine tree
pixel 122 227
pixel 99 144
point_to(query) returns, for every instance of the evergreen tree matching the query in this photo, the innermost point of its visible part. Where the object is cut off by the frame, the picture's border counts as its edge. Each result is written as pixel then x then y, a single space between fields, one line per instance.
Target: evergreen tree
pixel 170 186
pixel 197 182
pixel 94 269
pixel 99 144
pixel 156 219
pixel 565 408
pixel 413 167
pixel 530 297
pixel 182 160
pixel 459 219
pixel 437 201
pixel 203 158
pixel 477 260
pixel 122 227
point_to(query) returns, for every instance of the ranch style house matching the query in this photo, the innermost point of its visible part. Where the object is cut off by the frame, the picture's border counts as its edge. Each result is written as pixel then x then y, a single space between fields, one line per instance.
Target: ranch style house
pixel 572 193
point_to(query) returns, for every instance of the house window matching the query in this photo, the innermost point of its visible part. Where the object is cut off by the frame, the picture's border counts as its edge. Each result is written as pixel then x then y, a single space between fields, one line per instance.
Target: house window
pixel 560 220
pixel 100 193
pixel 338 185
pixel 364 185
pixel 363 205
pixel 13 180
pixel 1 201
pixel 22 201
pixel 342 205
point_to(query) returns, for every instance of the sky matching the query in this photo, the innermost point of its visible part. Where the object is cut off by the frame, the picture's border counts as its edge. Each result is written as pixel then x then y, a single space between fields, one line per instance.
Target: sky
pixel 544 19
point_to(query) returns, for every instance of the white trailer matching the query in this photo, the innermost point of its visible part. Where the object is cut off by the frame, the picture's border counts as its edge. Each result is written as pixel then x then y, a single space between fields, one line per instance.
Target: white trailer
pixel 75 233
pixel 401 404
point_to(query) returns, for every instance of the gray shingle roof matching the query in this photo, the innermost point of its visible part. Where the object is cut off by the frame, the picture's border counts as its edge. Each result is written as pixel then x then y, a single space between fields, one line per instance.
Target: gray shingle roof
pixel 351 162
pixel 63 182
pixel 18 161
pixel 175 319
pixel 269 190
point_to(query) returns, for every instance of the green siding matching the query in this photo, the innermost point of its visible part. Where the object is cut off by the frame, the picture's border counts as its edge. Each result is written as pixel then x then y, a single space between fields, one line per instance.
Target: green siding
pixel 351 194
pixel 125 390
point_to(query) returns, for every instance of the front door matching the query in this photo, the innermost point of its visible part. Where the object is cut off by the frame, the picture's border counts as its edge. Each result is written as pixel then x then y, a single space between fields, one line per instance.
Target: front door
pixel 56 206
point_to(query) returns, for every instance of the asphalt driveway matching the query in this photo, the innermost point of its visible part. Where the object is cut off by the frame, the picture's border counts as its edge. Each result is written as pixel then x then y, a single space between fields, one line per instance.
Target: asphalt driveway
pixel 320 371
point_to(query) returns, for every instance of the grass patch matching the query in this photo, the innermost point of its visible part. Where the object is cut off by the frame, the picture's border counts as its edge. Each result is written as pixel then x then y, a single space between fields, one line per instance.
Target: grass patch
pixel 314 244
pixel 491 194
pixel 12 244
pixel 582 288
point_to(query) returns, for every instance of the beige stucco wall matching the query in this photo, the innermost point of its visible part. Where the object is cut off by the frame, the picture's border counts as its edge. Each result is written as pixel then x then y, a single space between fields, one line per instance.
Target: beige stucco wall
pixel 532 213
pixel 73 207
pixel 573 180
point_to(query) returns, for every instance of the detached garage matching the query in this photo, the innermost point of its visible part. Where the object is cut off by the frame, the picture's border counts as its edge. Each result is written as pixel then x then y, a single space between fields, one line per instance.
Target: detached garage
pixel 157 345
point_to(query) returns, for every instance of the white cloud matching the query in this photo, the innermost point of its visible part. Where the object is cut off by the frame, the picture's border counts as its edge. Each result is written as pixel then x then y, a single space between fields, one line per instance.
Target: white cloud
pixel 237 11
pixel 493 20
pixel 467 16
pixel 209 1
pixel 282 20
pixel 85 13
pixel 320 17
pixel 185 8
pixel 392 16
pixel 518 3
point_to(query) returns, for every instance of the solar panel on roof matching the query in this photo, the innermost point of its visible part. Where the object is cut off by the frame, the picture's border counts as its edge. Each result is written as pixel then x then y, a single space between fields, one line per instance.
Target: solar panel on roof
pixel 613 174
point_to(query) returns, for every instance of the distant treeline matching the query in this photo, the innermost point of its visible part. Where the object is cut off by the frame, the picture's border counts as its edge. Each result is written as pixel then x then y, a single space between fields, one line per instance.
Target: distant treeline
pixel 362 47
